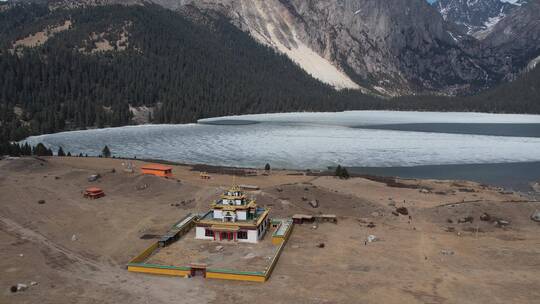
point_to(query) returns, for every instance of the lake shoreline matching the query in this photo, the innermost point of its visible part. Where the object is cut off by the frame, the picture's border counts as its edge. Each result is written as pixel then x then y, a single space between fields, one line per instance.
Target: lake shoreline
pixel 493 174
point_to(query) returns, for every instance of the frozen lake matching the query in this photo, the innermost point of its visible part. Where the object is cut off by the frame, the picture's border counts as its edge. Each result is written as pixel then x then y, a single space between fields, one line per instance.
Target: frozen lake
pixel 320 140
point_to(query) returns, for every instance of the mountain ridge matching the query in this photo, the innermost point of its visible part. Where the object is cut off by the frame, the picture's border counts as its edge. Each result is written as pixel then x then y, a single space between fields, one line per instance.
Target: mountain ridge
pixel 392 48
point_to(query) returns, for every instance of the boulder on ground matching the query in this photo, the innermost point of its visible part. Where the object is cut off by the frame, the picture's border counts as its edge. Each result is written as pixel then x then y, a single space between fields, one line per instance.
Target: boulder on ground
pixel 93 177
pixel 485 217
pixel 467 219
pixel 22 287
pixel 447 252
pixel 501 223
pixel 536 216
pixel 402 210
pixel 314 203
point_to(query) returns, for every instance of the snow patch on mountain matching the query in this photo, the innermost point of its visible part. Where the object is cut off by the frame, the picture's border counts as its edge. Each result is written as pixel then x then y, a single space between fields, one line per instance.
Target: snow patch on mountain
pixel 281 34
pixel 477 17
pixel 533 63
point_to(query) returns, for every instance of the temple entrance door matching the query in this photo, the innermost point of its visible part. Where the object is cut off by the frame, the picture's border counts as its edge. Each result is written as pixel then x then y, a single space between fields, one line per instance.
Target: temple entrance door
pixel 198 271
pixel 227 236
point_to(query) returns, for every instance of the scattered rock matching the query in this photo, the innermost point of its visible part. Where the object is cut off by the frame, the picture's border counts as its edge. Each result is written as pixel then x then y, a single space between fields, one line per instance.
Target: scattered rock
pixel 425 191
pixel 57 177
pixel 141 187
pixel 13 289
pixel 485 217
pixel 113 170
pixel 447 252
pixel 306 189
pixel 395 213
pixel 250 255
pixel 450 229
pixel 371 238
pixel 536 216
pixel 468 219
pixel 375 214
pixel 320 245
pixel 501 223
pixel 93 177
pixel 279 189
pixel 449 221
pixel 304 198
pixel 22 287
pixel 314 203
pixel 314 227
pixel 73 238
pixel 33 283
pixel 402 210
pixel 219 248
pixel 371 225
pixel 41 202
pixel 392 204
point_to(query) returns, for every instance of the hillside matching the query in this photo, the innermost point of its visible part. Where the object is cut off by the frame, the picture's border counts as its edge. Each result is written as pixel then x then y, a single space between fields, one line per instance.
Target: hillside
pixel 112 65
pixel 88 66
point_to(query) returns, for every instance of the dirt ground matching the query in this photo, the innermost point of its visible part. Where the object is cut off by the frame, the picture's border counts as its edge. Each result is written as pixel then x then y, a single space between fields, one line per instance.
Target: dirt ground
pixel 217 255
pixel 76 249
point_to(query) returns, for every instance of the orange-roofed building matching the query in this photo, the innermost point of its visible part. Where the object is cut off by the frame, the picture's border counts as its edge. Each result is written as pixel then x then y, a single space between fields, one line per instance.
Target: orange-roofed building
pixel 157 170
pixel 93 193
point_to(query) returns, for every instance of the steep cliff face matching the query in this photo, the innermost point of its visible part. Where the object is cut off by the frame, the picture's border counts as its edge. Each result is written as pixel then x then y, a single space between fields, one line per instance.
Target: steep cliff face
pixel 390 47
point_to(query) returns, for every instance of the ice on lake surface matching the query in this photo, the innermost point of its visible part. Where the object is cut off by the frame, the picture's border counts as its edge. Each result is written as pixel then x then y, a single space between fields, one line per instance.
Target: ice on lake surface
pixel 310 140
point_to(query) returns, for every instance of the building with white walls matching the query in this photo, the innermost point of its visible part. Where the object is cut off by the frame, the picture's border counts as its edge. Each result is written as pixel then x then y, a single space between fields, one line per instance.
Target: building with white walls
pixel 233 218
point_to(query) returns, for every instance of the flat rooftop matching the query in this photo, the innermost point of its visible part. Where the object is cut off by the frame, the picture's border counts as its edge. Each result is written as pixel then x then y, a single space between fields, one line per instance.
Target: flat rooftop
pixel 218 255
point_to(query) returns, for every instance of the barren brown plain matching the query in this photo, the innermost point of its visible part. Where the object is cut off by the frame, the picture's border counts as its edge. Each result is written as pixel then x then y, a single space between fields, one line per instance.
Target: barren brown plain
pixel 77 249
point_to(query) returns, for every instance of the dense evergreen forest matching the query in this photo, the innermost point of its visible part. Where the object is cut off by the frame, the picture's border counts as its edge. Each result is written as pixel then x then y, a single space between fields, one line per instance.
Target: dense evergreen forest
pixel 186 65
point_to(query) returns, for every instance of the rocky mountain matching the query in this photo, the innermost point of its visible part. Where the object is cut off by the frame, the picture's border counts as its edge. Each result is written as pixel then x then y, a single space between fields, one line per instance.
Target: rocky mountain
pixel 391 47
pixel 517 38
pixel 476 17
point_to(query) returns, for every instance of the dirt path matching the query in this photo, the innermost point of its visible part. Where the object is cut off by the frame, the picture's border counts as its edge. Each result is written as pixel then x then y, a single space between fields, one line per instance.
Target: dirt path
pixel 74 266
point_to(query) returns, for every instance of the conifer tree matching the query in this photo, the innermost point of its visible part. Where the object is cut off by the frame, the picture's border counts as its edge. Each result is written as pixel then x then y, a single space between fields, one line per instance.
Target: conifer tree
pixel 106 152
pixel 61 152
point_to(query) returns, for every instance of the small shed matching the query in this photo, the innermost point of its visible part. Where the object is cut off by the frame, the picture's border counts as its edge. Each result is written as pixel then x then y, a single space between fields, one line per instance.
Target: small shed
pixel 249 187
pixel 157 170
pixel 302 218
pixel 93 193
pixel 330 218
